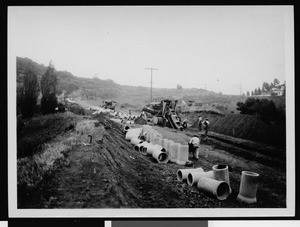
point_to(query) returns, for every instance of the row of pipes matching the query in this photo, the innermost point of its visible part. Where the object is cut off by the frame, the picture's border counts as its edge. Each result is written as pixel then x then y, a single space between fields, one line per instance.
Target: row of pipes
pixel 215 182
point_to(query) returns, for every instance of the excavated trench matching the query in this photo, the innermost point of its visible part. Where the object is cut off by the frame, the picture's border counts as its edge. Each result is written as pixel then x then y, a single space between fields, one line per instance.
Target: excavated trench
pixel 112 174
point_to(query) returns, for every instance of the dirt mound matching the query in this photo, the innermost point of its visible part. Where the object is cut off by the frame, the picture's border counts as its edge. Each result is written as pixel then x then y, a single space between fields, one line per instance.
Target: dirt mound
pixel 242 126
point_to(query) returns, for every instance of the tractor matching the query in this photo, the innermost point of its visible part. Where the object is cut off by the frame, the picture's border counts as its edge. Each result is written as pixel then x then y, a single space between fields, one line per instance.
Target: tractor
pixel 165 113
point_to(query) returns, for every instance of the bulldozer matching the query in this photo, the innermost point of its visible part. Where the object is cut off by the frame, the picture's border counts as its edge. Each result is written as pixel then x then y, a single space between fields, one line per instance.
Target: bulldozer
pixel 165 113
pixel 108 104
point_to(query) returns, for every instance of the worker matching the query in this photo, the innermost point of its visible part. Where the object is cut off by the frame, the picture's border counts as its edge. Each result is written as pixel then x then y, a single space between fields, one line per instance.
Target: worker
pixel 194 145
pixel 200 123
pixel 206 126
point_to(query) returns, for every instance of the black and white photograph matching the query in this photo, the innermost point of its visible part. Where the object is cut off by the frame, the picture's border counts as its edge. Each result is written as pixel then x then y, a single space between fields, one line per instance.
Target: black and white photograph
pixel 151 111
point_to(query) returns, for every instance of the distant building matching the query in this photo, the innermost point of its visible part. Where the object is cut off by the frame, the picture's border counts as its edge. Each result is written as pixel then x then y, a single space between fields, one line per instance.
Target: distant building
pixel 278 91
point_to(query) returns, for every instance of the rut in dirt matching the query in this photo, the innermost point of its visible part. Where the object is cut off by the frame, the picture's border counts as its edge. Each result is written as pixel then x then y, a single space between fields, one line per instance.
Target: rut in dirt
pixel 111 174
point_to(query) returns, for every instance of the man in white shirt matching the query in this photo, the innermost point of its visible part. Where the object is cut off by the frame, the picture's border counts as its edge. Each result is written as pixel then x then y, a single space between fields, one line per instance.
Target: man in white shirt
pixel 194 145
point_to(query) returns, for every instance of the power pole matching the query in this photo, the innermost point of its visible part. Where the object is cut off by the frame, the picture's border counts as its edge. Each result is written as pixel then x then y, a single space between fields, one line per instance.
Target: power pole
pixel 151 82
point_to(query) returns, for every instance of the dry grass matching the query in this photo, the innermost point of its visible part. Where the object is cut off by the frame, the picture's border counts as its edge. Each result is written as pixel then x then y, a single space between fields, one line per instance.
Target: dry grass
pixel 51 152
pixel 86 127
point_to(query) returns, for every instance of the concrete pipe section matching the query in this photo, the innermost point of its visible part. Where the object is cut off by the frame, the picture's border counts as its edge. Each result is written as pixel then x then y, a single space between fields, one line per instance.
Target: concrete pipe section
pixel 183 155
pixel 165 143
pixel 145 148
pixel 152 148
pixel 160 157
pixel 149 149
pixel 139 146
pixel 221 173
pixel 193 177
pixel 182 174
pixel 132 133
pixel 156 139
pixel 145 128
pixel 169 146
pixel 220 189
pixel 248 187
pixel 135 141
pixel 173 151
pixel 142 145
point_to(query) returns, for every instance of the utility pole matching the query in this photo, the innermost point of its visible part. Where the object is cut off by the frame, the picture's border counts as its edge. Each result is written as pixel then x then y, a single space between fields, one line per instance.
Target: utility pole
pixel 151 82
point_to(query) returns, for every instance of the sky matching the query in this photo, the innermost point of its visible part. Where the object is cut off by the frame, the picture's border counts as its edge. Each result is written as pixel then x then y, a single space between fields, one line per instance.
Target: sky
pixel 232 49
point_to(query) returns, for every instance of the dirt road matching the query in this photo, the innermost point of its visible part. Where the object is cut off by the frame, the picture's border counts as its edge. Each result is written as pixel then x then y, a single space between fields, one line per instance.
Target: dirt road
pixel 111 174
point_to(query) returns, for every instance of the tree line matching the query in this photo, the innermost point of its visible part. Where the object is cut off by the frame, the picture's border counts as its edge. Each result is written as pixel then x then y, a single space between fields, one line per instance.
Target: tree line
pixel 267 88
pixel 264 109
pixel 29 91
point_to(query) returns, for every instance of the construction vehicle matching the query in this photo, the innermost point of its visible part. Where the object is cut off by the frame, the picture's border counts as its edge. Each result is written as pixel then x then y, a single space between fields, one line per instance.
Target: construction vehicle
pixel 108 104
pixel 165 113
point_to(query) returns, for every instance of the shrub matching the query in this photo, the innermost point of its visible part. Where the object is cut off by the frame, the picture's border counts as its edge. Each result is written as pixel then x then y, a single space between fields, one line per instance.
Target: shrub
pixel 261 108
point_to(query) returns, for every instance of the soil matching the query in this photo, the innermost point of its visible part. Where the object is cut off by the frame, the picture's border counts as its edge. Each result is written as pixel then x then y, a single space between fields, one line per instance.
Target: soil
pixel 111 174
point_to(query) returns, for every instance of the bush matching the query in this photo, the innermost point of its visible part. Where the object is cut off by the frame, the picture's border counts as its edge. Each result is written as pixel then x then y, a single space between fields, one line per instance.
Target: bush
pixel 261 108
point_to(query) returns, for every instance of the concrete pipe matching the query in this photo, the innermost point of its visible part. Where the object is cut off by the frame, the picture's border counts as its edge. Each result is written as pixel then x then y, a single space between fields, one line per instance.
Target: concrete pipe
pixel 145 128
pixel 145 148
pixel 169 146
pixel 131 135
pixel 152 148
pixel 220 189
pixel 221 173
pixel 152 135
pixel 182 174
pixel 193 177
pixel 135 141
pixel 137 147
pixel 156 139
pixel 183 154
pixel 161 157
pixel 173 151
pixel 142 145
pixel 159 141
pixel 164 143
pixel 248 187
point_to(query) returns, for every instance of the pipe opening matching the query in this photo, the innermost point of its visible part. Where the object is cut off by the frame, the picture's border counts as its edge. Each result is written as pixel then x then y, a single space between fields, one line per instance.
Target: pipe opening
pixel 144 150
pixel 190 179
pixel 250 173
pixel 220 166
pixel 179 175
pixel 162 157
pixel 223 191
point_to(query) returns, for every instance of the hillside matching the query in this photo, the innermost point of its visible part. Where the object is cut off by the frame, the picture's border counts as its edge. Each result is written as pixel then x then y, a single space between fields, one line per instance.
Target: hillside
pixel 96 89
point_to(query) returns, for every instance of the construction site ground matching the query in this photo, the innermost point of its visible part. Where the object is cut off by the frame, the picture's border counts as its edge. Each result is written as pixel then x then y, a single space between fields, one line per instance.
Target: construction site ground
pixel 111 174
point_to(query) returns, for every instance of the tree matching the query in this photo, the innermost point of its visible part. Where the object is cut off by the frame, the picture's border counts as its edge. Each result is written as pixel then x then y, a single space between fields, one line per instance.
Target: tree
pixel 258 91
pixel 276 82
pixel 48 89
pixel 248 93
pixel 252 93
pixel 266 86
pixel 255 92
pixel 262 108
pixel 179 86
pixel 30 92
